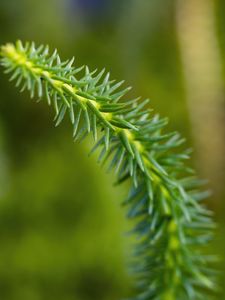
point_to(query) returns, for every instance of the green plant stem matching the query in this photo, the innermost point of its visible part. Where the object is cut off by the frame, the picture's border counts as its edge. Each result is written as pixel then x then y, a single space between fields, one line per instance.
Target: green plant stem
pixel 172 226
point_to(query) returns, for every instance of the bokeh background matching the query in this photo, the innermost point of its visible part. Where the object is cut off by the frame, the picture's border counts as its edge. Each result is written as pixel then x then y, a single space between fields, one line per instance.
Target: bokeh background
pixel 62 230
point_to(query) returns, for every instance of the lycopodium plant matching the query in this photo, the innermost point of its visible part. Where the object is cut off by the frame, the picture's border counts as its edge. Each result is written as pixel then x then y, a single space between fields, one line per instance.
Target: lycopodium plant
pixel 172 225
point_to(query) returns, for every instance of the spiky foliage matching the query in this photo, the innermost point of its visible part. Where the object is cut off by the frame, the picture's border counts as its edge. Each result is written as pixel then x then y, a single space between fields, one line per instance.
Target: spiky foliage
pixel 172 225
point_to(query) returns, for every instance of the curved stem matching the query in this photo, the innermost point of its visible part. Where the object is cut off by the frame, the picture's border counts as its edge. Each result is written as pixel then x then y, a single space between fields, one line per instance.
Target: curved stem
pixel 171 225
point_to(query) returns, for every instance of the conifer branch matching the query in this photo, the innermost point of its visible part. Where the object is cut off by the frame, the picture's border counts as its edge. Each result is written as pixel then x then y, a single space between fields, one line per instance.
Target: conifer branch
pixel 172 225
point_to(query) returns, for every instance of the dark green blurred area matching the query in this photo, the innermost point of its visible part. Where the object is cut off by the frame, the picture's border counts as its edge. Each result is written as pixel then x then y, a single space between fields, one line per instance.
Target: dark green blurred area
pixel 61 224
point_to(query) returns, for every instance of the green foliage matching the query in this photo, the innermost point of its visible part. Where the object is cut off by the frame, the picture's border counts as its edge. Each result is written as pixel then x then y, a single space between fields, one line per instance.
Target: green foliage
pixel 43 227
pixel 172 227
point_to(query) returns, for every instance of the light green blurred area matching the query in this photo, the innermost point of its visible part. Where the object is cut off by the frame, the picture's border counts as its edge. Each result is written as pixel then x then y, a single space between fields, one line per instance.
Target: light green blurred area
pixel 61 224
pixel 60 229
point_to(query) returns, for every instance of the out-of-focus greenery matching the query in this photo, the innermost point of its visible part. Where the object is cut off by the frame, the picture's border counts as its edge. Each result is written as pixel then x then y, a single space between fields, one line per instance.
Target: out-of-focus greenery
pixel 61 227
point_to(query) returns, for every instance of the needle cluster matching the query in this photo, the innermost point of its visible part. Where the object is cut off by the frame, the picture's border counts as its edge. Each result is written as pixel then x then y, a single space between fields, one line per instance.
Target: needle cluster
pixel 173 227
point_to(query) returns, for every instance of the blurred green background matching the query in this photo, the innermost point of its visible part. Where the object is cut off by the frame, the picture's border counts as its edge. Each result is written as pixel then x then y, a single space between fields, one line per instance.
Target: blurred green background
pixel 61 224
